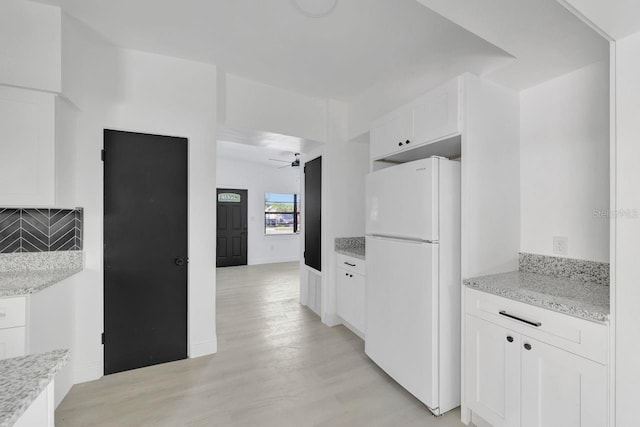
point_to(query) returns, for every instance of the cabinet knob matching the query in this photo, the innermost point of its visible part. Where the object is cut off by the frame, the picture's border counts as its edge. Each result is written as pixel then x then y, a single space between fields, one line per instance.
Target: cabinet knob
pixel 527 346
pixel 399 144
pixel 346 274
pixel 407 141
pixel 510 338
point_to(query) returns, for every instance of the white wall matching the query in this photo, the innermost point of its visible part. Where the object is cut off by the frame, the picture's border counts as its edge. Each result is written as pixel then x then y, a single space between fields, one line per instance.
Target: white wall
pixel 259 179
pixel 252 105
pixel 344 166
pixel 626 298
pixel 564 164
pixel 30 43
pixel 129 90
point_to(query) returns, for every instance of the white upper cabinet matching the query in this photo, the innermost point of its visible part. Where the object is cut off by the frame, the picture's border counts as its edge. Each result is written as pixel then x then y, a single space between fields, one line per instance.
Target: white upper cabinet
pixel 430 118
pixel 27 138
pixel 437 114
pixel 390 133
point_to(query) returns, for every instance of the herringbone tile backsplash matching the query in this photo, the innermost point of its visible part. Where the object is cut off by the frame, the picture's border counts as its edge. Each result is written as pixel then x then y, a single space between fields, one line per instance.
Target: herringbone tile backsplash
pixel 40 230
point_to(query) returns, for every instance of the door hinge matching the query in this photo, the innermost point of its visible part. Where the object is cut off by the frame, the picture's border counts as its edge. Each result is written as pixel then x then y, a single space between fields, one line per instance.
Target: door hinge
pixel 102 337
pixel 304 169
pixel 304 254
pixel 102 155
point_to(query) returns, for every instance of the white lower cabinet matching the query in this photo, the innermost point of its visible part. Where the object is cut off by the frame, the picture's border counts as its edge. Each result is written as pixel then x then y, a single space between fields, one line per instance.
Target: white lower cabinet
pixel 561 389
pixel 493 372
pixel 12 327
pixel 350 282
pixel 515 380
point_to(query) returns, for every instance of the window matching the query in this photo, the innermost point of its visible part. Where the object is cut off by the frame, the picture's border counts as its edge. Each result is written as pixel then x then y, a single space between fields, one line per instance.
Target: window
pixel 281 213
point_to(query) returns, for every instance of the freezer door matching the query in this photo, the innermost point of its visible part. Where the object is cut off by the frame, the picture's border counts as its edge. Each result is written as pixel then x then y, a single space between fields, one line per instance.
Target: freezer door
pixel 402 313
pixel 402 200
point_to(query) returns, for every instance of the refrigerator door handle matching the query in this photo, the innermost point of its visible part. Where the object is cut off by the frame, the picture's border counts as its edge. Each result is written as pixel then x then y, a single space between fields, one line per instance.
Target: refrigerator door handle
pixel 401 238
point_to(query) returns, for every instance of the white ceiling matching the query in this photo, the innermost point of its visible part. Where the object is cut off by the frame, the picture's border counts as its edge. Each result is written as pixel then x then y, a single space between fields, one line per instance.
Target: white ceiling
pixel 546 39
pixel 359 44
pixel 285 144
pixel 254 154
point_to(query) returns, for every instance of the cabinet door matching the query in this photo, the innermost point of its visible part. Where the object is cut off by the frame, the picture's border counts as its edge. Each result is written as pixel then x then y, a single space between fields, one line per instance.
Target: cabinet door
pixel 27 136
pixel 492 371
pixel 345 295
pixel 389 133
pixel 561 389
pixel 436 115
pixel 12 342
pixel 359 302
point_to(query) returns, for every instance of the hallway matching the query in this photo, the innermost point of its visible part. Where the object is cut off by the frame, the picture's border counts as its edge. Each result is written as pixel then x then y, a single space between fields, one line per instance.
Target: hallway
pixel 277 365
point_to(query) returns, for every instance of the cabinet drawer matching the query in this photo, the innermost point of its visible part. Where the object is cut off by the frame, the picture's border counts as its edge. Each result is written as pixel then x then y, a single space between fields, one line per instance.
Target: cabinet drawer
pixel 351 264
pixel 12 312
pixel 578 336
pixel 12 342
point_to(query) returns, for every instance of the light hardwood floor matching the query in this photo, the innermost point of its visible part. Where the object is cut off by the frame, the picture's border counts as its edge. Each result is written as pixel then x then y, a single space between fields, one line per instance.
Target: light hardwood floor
pixel 277 365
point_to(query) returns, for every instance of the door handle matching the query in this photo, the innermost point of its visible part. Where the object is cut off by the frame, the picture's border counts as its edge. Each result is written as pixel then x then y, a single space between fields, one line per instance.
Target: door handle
pixel 179 261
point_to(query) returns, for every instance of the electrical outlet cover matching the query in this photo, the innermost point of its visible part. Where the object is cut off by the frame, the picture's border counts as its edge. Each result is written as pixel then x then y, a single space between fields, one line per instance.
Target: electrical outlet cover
pixel 561 245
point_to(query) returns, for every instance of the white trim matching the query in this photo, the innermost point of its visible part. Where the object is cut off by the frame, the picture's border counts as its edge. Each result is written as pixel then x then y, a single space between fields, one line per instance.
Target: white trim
pixel 612 232
pixel 203 348
pixel 261 261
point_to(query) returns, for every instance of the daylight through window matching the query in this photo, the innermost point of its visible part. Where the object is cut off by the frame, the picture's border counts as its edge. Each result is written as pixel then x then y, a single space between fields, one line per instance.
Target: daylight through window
pixel 281 213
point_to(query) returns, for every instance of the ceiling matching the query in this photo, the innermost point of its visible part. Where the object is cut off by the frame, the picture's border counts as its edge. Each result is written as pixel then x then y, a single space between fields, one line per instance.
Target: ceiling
pixel 254 154
pixel 546 39
pixel 359 44
pixel 277 143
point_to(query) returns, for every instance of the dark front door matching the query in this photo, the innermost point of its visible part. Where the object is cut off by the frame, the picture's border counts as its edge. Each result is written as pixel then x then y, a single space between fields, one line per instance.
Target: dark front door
pixel 145 250
pixel 231 234
pixel 312 209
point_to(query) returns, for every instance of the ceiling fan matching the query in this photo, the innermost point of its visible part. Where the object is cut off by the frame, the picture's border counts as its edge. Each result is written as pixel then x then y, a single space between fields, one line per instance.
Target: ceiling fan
pixel 294 164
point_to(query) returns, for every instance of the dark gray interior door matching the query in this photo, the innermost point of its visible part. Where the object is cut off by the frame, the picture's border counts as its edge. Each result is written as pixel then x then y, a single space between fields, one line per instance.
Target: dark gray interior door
pixel 145 250
pixel 312 213
pixel 231 232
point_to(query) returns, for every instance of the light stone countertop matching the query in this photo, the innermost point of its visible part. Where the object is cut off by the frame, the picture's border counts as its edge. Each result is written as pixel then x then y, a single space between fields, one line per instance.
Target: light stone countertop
pixel 22 379
pixel 586 300
pixel 28 273
pixel 350 246
pixel 14 283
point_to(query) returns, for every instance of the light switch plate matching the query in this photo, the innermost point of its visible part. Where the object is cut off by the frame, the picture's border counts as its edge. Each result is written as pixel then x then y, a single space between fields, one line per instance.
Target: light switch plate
pixel 561 245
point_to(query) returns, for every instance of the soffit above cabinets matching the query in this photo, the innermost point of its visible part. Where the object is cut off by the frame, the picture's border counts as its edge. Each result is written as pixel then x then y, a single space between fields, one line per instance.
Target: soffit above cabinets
pixel 546 39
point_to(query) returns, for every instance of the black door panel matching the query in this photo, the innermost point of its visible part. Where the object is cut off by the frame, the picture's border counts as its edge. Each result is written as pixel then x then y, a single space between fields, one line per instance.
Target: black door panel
pixel 231 240
pixel 145 232
pixel 312 213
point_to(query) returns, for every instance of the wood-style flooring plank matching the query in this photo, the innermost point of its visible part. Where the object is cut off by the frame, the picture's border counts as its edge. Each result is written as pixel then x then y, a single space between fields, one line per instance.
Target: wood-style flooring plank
pixel 277 365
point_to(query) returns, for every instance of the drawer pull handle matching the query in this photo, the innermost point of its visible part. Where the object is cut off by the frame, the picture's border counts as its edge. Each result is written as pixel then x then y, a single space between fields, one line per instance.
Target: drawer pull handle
pixel 528 322
pixel 349 264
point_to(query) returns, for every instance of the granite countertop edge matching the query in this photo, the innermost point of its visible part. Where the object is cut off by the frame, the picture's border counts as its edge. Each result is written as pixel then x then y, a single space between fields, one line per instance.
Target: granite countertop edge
pixel 42 367
pixel 560 304
pixel 353 252
pixel 32 281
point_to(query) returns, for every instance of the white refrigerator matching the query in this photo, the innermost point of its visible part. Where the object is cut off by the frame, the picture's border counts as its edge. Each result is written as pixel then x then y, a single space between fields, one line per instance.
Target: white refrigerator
pixel 413 278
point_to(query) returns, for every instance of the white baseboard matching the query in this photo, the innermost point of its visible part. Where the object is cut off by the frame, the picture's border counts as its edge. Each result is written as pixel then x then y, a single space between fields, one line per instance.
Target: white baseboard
pixel 353 329
pixel 203 348
pixel 87 372
pixel 272 260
